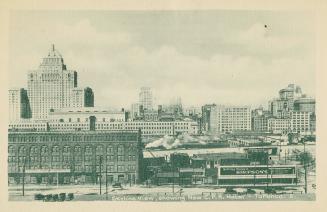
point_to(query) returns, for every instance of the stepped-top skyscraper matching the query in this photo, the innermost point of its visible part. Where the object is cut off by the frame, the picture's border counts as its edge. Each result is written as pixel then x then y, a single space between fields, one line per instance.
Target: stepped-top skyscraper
pixel 52 86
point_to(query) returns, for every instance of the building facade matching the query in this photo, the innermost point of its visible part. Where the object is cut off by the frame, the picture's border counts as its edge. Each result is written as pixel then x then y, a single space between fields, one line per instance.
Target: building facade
pixel 53 86
pixel 305 104
pixel 259 120
pixel 82 97
pixel 146 98
pixel 74 157
pixel 234 118
pixel 218 119
pixel 19 107
pixel 147 128
pixel 279 125
pixel 208 122
pixel 257 175
pixel 282 106
pixel 135 111
pixel 150 115
pixel 301 122
pixel 83 114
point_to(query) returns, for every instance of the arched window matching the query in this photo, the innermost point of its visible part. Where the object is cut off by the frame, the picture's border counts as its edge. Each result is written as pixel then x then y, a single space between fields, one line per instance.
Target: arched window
pixel 88 150
pixel 55 149
pixel 22 150
pixel 77 149
pixel 11 150
pixel 66 149
pixel 44 150
pixel 110 150
pixel 99 150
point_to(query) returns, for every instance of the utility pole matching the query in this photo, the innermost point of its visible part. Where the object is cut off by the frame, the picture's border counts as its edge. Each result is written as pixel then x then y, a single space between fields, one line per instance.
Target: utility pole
pixel 305 169
pixel 285 156
pixel 130 180
pixel 280 149
pixel 254 176
pixel 267 170
pixel 100 173
pixel 106 182
pixel 172 169
pixel 24 164
pixel 57 179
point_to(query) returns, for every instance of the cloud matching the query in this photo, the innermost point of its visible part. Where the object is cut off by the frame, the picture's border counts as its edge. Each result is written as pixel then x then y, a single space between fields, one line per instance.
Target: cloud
pixel 116 66
pixel 261 40
pixel 220 78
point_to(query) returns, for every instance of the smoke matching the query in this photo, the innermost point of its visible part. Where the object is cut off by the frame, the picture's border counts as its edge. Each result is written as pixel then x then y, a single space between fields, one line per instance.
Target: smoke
pixel 170 142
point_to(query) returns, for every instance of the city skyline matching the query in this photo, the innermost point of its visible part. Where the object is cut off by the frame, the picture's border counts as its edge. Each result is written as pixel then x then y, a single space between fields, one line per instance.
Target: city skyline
pixel 228 72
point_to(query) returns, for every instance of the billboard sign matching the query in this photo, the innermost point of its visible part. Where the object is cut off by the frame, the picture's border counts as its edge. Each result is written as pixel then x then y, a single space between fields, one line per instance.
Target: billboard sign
pixel 252 170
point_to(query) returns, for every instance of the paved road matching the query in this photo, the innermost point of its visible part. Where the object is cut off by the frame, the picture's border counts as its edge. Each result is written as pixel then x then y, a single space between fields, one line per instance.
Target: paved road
pixel 161 193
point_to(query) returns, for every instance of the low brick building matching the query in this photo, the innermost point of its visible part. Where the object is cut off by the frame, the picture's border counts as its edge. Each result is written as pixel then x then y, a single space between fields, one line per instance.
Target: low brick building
pixel 74 157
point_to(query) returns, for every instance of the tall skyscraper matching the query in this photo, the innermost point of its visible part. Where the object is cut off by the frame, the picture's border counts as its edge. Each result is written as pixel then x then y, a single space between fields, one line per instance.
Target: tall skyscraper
pixel 19 107
pixel 146 98
pixel 51 86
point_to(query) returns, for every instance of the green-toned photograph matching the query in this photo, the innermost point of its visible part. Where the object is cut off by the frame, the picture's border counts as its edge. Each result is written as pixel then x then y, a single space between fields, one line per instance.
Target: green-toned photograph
pixel 162 105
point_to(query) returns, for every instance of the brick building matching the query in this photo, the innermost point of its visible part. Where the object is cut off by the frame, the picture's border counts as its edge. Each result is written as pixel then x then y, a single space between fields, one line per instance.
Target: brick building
pixel 74 157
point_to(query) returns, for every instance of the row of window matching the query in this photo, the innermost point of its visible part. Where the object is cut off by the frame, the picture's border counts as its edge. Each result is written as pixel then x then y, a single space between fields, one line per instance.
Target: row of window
pixel 87 158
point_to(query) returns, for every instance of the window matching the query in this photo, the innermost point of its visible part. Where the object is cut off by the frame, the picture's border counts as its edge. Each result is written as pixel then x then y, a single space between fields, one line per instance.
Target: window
pixel 121 168
pixel 110 168
pixel 120 150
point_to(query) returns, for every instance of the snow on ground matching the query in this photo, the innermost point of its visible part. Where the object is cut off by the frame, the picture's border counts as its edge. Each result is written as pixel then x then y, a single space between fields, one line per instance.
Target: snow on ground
pixel 191 152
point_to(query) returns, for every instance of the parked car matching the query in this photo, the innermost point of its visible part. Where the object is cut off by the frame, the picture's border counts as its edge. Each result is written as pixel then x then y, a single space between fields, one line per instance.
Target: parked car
pixel 39 197
pixel 270 191
pixel 62 196
pixel 47 198
pixel 55 197
pixel 70 196
pixel 117 185
pixel 250 191
pixel 230 190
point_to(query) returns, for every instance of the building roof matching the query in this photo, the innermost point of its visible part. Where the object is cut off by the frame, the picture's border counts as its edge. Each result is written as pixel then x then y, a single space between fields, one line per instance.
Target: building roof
pixel 221 155
pixel 85 110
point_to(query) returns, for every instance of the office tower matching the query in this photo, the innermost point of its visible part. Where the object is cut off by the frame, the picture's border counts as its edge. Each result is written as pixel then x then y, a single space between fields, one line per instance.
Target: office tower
pixel 51 85
pixel 146 98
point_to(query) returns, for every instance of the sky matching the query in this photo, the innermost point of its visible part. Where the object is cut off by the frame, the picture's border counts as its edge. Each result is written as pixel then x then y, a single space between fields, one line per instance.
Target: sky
pixel 214 56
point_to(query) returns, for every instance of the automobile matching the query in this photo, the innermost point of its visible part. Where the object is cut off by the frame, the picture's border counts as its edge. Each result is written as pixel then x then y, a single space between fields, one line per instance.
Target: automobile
pixel 38 197
pixel 70 196
pixel 62 196
pixel 230 190
pixel 47 198
pixel 270 191
pixel 250 191
pixel 117 185
pixel 55 197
